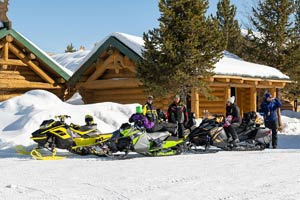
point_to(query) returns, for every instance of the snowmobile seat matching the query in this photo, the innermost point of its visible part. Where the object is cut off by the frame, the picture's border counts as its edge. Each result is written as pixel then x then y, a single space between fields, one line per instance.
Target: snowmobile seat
pixel 87 127
pixel 162 135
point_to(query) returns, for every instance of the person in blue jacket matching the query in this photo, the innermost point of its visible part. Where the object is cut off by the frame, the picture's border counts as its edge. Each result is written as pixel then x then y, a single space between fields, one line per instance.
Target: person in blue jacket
pixel 268 110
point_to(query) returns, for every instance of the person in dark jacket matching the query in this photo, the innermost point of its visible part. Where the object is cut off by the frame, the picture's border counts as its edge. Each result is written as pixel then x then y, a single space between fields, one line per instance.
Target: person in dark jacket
pixel 177 113
pixel 232 120
pixel 268 110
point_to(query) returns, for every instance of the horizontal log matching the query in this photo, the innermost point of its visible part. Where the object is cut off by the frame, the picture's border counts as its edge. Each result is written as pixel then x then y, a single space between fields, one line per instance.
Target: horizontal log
pixel 217 99
pixel 113 98
pixel 18 70
pixel 109 84
pixel 132 91
pixel 15 62
pixel 18 77
pixel 231 85
pixel 87 100
pixel 120 75
pixel 26 84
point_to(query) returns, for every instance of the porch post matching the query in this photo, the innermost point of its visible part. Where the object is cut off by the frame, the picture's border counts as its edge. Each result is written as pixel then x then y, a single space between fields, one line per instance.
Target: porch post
pixel 253 95
pixel 195 102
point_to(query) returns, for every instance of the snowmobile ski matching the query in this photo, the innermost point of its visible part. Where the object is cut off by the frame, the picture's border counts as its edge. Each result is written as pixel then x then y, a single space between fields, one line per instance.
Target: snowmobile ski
pixel 22 150
pixel 38 156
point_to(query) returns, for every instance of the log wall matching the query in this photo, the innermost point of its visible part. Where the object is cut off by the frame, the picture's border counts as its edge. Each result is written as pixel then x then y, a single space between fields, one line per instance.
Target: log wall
pixel 215 106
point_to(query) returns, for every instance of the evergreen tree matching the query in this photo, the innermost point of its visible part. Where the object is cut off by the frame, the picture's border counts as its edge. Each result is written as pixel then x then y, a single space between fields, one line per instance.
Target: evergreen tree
pixel 180 54
pixel 271 20
pixel 229 26
pixel 70 49
pixel 293 90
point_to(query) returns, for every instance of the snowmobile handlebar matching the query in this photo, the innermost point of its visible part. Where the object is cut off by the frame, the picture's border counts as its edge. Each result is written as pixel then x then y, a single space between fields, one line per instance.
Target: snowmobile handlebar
pixel 62 117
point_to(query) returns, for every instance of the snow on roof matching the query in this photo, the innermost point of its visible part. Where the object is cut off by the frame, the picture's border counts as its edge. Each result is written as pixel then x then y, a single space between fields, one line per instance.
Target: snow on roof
pixel 71 61
pixel 46 55
pixel 230 64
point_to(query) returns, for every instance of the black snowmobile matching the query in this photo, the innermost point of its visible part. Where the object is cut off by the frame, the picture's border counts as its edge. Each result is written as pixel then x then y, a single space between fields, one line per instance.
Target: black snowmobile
pixel 211 133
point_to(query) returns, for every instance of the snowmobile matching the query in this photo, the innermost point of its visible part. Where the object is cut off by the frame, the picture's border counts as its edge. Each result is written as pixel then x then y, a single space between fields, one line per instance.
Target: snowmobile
pixel 134 138
pixel 82 140
pixel 210 132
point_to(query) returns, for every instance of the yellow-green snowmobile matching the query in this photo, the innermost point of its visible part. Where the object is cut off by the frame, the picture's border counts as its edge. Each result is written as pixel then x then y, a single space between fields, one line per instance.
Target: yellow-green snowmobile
pixel 82 140
pixel 134 138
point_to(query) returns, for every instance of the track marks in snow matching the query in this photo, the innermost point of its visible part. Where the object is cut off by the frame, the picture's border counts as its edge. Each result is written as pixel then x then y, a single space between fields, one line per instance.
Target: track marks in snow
pixel 24 191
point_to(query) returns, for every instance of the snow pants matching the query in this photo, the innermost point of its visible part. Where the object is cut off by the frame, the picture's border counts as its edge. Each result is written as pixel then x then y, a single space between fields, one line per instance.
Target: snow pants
pixel 163 126
pixel 273 126
pixel 231 130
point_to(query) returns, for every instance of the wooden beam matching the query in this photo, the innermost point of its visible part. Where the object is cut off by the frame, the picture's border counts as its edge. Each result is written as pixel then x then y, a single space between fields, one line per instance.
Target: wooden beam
pixel 5 54
pixel 33 66
pixel 126 91
pixel 219 84
pixel 15 62
pixel 195 102
pixel 109 84
pixel 60 80
pixel 279 85
pixel 31 56
pixel 9 38
pixel 4 84
pixel 251 82
pixel 272 91
pixel 225 80
pixel 253 95
pixel 100 68
pixel 239 81
pixel 227 94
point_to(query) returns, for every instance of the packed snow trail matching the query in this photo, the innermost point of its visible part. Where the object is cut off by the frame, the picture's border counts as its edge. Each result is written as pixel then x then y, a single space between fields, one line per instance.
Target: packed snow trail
pixel 269 174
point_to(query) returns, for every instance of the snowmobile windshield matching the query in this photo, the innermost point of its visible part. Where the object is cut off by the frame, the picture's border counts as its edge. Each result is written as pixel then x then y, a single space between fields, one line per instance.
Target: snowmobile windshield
pixel 47 123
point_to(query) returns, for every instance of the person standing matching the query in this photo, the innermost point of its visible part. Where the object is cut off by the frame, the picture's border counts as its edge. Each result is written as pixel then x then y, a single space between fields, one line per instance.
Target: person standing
pixel 232 120
pixel 268 110
pixel 177 113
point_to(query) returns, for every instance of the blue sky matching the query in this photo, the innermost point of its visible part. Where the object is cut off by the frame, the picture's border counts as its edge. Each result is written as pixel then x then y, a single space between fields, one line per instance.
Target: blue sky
pixel 53 24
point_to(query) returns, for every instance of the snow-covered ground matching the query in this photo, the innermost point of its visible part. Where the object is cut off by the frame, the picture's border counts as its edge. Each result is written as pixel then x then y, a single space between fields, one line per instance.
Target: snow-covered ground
pixel 269 174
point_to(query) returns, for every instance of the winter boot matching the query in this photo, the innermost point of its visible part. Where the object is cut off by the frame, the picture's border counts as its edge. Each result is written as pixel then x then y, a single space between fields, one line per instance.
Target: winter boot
pixel 157 143
pixel 234 142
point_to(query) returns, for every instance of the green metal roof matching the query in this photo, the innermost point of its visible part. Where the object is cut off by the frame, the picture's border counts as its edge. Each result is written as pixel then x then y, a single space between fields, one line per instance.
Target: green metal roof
pixel 111 41
pixel 41 55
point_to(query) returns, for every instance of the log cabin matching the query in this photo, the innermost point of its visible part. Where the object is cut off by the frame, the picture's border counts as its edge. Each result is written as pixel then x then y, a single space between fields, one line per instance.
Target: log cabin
pixel 108 73
pixel 24 67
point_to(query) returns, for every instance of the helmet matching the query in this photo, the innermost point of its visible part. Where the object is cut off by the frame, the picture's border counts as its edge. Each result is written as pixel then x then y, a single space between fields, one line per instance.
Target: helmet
pixel 139 109
pixel 89 119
